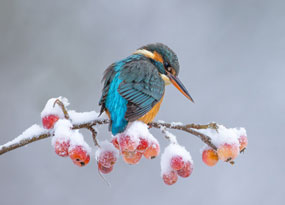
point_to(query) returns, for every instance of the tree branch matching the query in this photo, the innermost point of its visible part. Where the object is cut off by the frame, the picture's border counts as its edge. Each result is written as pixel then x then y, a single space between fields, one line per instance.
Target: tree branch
pixel 89 125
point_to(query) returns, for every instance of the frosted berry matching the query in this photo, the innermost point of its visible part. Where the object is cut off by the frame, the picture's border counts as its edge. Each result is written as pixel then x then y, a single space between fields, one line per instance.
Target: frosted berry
pixel 107 158
pixel 49 121
pixel 152 151
pixel 131 157
pixel 143 144
pixel 127 143
pixel 61 147
pixel 79 155
pixel 186 170
pixel 242 142
pixel 228 152
pixel 170 177
pixel 177 162
pixel 210 157
pixel 104 170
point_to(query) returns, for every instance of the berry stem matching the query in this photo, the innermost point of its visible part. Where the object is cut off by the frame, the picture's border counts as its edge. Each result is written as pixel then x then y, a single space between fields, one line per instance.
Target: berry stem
pixel 61 105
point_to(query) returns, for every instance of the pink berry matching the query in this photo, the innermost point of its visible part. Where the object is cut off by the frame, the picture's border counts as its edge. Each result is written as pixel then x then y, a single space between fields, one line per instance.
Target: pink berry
pixel 49 121
pixel 104 170
pixel 142 145
pixel 186 170
pixel 61 147
pixel 107 158
pixel 127 143
pixel 170 177
pixel 177 162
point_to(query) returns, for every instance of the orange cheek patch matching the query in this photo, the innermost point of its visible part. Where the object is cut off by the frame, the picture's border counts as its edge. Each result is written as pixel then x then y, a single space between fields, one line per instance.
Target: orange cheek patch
pixel 157 57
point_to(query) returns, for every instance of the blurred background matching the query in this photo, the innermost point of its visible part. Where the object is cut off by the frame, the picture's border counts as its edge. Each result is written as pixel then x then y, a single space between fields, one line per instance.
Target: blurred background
pixel 232 61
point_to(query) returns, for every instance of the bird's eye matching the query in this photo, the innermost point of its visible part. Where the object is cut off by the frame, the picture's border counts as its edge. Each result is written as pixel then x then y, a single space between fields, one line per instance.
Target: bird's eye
pixel 167 66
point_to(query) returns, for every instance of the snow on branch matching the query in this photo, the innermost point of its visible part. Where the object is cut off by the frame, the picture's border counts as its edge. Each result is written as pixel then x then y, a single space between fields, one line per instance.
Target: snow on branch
pixel 63 126
pixel 35 132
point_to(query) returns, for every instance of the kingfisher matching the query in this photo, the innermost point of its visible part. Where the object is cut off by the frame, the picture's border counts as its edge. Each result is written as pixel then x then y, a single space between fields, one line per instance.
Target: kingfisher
pixel 134 87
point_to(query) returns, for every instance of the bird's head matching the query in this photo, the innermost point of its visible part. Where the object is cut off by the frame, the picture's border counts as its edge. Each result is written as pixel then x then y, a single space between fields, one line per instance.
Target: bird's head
pixel 166 62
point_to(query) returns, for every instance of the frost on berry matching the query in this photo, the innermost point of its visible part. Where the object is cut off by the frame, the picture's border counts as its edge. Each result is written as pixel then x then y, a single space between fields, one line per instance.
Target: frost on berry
pixel 170 177
pixel 177 162
pixel 79 150
pixel 210 156
pixel 61 139
pixel 143 144
pixel 106 155
pixel 131 157
pixel 175 159
pixel 186 170
pixel 127 142
pixel 228 152
pixel 61 146
pixel 104 170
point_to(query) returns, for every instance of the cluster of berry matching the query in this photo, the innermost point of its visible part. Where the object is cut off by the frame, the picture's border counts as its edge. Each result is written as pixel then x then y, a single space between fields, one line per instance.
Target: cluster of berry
pixel 133 146
pixel 66 142
pixel 175 161
pixel 225 152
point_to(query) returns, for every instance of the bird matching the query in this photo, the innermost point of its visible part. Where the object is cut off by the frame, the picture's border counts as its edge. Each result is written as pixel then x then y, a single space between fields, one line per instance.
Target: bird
pixel 133 88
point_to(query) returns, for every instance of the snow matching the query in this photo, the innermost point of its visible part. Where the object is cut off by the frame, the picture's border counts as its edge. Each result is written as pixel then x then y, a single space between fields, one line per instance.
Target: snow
pixel 51 109
pixel 62 130
pixel 177 124
pixel 83 117
pixel 224 135
pixel 33 131
pixel 173 149
pixel 137 130
pixel 77 139
pixel 106 146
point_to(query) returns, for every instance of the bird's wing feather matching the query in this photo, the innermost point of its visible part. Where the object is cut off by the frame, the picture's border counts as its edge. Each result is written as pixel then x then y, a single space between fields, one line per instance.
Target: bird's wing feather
pixel 141 86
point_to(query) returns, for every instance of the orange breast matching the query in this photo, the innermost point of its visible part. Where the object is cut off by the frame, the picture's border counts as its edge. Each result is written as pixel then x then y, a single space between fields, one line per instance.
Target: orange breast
pixel 149 117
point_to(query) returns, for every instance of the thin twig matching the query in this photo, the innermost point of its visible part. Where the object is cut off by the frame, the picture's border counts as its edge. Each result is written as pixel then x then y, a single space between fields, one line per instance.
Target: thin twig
pixel 94 135
pixel 61 105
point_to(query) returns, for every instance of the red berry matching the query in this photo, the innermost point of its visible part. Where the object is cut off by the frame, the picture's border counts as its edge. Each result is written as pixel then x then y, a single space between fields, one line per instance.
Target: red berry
pixel 228 152
pixel 170 178
pixel 210 157
pixel 79 155
pixel 242 142
pixel 142 145
pixel 177 162
pixel 131 157
pixel 104 170
pixel 186 170
pixel 49 121
pixel 107 158
pixel 152 151
pixel 115 142
pixel 126 143
pixel 61 147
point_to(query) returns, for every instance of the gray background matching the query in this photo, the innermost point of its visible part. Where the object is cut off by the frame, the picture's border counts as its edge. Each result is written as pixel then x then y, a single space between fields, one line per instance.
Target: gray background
pixel 232 60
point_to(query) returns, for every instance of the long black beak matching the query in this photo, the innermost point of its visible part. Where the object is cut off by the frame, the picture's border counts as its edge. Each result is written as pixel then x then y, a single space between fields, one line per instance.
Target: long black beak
pixel 179 85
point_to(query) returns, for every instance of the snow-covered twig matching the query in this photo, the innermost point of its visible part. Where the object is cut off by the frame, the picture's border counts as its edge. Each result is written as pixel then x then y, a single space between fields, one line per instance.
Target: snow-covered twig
pixel 29 136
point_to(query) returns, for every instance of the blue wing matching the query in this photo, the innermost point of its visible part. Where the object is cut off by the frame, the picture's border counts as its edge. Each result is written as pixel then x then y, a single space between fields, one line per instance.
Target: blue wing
pixel 131 88
pixel 141 86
